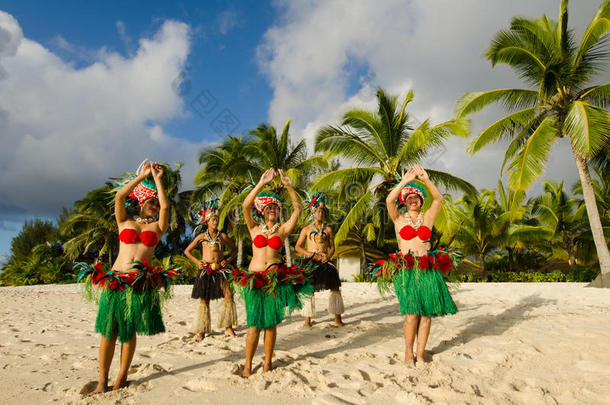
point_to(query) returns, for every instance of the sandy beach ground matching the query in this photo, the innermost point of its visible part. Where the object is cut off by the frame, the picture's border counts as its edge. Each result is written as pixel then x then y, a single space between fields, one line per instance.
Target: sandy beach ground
pixel 510 343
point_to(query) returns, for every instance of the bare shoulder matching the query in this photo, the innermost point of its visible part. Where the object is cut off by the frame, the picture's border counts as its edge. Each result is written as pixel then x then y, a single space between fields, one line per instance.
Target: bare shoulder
pixel 328 229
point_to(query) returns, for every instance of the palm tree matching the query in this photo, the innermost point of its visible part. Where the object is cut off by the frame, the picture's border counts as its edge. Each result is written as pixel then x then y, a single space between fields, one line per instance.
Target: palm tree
pixel 514 228
pixel 380 144
pixel 560 215
pixel 93 225
pixel 476 219
pixel 560 103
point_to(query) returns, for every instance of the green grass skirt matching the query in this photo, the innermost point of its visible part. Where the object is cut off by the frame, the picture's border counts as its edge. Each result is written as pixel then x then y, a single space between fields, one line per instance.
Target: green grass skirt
pixel 265 310
pixel 126 312
pixel 423 293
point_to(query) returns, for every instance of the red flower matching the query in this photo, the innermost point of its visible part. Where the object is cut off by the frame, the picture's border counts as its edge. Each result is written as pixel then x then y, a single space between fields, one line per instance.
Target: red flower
pixel 98 266
pixel 379 262
pixel 235 272
pixel 299 279
pixel 410 260
pixel 443 263
pixel 424 262
pixel 378 272
pixel 244 280
pixel 258 283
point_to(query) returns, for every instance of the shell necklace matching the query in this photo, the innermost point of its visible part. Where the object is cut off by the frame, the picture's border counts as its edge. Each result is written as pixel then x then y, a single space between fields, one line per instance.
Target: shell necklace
pixel 141 220
pixel 210 240
pixel 271 231
pixel 418 222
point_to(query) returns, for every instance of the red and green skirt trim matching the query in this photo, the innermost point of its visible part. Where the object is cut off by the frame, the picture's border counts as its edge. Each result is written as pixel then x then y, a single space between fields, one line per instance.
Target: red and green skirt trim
pixel 272 294
pixel 129 302
pixel 418 281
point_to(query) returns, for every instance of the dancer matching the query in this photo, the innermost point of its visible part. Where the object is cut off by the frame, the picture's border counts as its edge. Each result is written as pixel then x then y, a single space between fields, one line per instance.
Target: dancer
pixel 416 271
pixel 214 272
pixel 319 250
pixel 270 287
pixel 130 299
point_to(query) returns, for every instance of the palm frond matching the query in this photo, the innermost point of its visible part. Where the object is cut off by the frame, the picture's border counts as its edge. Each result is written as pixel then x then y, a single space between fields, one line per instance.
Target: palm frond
pixel 512 99
pixel 588 127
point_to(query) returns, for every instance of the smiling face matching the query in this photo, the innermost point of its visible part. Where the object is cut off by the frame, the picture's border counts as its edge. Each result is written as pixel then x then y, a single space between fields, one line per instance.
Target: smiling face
pixel 271 213
pixel 413 202
pixel 149 208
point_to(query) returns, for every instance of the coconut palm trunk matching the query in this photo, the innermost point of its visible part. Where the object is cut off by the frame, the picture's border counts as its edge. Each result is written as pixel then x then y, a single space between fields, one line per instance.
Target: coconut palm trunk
pixel 603 280
pixel 240 253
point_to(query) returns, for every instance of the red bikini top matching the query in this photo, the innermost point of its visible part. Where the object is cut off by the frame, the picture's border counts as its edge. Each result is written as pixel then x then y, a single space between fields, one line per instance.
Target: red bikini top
pixel 129 236
pixel 408 232
pixel 274 242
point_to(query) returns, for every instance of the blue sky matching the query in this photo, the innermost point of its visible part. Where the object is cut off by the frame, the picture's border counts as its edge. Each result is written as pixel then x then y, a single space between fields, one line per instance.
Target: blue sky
pixel 89 89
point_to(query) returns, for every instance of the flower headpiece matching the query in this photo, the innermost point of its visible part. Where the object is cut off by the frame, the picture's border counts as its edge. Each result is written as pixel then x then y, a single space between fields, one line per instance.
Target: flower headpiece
pixel 261 201
pixel 203 213
pixel 318 200
pixel 143 191
pixel 411 188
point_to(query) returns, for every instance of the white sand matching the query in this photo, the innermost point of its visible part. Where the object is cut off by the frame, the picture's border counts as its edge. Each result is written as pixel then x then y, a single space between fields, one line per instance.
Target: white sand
pixel 510 343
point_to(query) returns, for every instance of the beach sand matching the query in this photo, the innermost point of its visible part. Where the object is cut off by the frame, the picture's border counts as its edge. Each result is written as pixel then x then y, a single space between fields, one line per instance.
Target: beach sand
pixel 518 343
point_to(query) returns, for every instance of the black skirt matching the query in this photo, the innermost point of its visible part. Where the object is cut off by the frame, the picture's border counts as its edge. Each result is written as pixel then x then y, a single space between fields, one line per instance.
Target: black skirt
pixel 323 276
pixel 208 286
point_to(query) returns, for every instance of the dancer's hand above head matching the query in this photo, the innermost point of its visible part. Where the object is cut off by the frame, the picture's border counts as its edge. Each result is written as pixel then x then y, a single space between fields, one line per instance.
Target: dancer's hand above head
pixel 421 173
pixel 146 170
pixel 156 170
pixel 410 175
pixel 285 179
pixel 267 176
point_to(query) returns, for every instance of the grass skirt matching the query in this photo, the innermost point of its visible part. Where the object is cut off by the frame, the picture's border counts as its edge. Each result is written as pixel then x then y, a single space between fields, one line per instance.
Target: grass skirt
pixel 272 294
pixel 323 276
pixel 423 292
pixel 208 283
pixel 129 312
pixel 129 302
pixel 418 281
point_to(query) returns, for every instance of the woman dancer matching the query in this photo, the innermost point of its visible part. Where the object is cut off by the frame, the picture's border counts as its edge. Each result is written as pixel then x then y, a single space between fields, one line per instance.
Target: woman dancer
pixel 270 287
pixel 417 272
pixel 320 248
pixel 130 299
pixel 214 272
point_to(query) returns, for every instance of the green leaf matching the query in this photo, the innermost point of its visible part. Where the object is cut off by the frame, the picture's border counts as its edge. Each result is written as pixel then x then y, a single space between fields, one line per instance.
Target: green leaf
pixel 513 99
pixel 597 28
pixel 502 127
pixel 354 215
pixel 588 127
pixel 529 163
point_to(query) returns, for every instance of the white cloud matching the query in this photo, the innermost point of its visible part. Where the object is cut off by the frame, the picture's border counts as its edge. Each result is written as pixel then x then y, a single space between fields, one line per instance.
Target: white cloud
pixel 227 20
pixel 434 47
pixel 66 130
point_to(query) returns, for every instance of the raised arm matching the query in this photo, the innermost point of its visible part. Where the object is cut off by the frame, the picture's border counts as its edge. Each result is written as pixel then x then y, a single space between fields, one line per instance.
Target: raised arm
pixel 393 195
pixel 265 178
pixel 437 197
pixel 191 246
pixel 120 213
pixel 228 242
pixel 296 205
pixel 157 173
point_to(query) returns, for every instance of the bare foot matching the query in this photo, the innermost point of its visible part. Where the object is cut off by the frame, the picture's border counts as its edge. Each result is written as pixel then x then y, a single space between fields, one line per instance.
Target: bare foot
pixel 307 322
pixel 199 337
pixel 100 388
pixel 409 359
pixel 229 331
pixel 120 383
pixel 247 372
pixel 338 321
pixel 267 367
pixel 420 362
